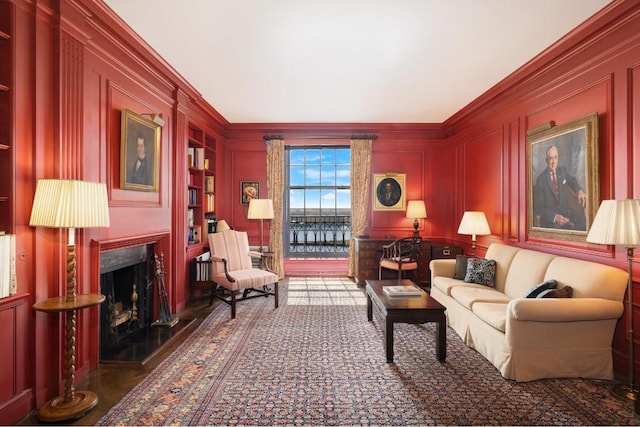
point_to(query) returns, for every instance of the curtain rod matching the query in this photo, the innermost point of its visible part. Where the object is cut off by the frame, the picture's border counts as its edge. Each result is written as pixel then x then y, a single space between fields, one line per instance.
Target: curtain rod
pixel 270 137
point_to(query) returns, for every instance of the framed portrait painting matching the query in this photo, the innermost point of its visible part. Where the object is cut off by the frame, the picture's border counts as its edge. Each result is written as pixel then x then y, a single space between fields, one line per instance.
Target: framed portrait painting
pixel 249 190
pixel 562 170
pixel 389 191
pixel 139 153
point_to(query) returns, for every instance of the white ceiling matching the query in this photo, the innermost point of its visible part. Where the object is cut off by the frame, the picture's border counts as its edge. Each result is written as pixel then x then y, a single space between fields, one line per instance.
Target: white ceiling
pixel 348 61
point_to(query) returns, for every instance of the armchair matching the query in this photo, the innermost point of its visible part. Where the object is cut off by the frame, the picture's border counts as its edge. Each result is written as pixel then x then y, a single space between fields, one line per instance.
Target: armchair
pixel 231 269
pixel 401 255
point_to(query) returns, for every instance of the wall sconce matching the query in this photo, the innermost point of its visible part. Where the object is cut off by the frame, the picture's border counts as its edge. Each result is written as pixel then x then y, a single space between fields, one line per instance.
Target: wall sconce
pixel 260 209
pixel 155 118
pixel 474 223
pixel 416 210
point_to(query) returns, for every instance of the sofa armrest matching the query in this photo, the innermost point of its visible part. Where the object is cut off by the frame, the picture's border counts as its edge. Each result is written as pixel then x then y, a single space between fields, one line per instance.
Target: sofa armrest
pixel 442 267
pixel 563 309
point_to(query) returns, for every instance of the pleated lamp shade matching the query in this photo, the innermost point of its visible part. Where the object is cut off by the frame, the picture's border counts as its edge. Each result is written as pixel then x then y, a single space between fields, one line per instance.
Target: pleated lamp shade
pixel 474 223
pixel 617 222
pixel 62 203
pixel 260 209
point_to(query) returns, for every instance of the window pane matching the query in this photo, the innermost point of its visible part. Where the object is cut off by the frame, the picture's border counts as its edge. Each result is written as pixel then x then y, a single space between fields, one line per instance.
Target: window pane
pixel 328 202
pixel 343 199
pixel 328 175
pixel 312 175
pixel 296 157
pixel 313 157
pixel 343 175
pixel 343 156
pixel 296 176
pixel 328 156
pixel 312 199
pixel 296 199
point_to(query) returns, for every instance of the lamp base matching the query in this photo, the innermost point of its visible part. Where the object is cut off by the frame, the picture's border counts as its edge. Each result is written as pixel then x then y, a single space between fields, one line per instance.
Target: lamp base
pixel 57 409
pixel 624 392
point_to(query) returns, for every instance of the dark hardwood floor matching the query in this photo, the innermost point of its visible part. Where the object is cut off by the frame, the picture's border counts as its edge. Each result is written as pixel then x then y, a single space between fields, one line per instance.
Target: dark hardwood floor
pixel 112 381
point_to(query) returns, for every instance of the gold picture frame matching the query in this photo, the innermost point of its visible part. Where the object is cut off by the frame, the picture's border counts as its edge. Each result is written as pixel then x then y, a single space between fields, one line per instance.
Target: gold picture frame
pixel 564 209
pixel 249 190
pixel 389 191
pixel 139 153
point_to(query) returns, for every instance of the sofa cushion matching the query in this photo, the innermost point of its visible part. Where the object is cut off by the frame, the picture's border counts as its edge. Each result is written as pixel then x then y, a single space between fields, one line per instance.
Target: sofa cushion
pixel 445 284
pixel 481 271
pixel 469 295
pixel 492 313
pixel 588 279
pixel 503 254
pixel 565 292
pixel 461 267
pixel 528 269
pixel 544 286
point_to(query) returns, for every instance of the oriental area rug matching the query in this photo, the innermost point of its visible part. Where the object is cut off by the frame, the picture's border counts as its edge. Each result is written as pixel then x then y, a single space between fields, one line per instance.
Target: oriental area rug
pixel 316 360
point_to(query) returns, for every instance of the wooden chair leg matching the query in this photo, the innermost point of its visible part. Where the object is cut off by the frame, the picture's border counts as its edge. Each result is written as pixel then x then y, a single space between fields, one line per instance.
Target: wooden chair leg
pixel 233 304
pixel 276 293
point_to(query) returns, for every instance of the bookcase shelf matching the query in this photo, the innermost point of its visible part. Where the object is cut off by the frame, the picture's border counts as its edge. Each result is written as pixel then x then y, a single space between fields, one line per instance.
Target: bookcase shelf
pixel 7 178
pixel 201 161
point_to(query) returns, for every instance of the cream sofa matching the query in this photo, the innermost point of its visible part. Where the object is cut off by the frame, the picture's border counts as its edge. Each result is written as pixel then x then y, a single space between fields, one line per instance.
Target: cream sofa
pixel 531 338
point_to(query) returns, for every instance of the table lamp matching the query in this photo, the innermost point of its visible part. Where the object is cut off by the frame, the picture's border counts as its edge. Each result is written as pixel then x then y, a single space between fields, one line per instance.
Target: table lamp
pixel 617 222
pixel 260 209
pixel 474 223
pixel 416 210
pixel 60 203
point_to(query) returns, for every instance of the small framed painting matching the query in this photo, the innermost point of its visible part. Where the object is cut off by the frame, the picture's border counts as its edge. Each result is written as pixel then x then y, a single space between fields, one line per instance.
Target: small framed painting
pixel 249 190
pixel 389 191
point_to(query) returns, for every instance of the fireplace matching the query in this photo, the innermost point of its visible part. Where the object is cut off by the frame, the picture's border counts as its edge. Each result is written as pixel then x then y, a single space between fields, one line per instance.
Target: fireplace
pixel 127 281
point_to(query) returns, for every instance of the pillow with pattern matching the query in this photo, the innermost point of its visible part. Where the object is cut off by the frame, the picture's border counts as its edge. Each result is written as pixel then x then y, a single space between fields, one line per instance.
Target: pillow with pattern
pixel 461 267
pixel 564 292
pixel 481 271
pixel 544 286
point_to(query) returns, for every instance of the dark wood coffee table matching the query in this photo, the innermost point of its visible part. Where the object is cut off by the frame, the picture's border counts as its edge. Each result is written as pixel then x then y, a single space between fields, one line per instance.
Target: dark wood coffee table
pixel 414 309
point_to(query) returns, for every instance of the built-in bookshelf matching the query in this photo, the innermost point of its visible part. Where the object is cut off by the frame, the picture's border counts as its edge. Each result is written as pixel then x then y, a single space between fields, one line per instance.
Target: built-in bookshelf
pixel 6 119
pixel 201 161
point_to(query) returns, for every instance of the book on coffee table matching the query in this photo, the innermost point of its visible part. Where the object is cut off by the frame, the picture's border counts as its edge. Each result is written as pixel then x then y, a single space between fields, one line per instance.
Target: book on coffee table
pixel 401 291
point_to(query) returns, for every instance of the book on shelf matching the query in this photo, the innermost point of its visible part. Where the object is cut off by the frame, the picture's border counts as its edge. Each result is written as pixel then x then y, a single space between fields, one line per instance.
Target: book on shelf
pixel 191 157
pixel 210 202
pixel 208 184
pixel 8 282
pixel 402 291
pixel 190 217
pixel 202 271
pixel 200 157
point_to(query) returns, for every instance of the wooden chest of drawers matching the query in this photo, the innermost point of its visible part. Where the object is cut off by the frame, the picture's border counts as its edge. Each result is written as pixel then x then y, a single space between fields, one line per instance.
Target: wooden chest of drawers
pixel 367 255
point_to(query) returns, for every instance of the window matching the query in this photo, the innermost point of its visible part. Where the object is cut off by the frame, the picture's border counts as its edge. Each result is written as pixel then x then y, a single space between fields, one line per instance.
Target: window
pixel 318 203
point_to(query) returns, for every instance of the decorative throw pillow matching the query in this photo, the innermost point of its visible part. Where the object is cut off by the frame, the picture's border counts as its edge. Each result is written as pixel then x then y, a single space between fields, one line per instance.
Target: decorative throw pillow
pixel 565 292
pixel 544 286
pixel 461 267
pixel 481 271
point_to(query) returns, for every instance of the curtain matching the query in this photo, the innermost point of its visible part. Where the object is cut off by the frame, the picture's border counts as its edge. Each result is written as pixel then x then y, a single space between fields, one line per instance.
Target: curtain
pixel 360 185
pixel 275 188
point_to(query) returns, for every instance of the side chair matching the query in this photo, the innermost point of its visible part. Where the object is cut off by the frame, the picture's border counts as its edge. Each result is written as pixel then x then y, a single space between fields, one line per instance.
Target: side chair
pixel 401 256
pixel 231 269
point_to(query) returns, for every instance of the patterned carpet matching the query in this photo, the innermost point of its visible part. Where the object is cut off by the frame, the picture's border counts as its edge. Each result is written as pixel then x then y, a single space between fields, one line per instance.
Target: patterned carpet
pixel 316 360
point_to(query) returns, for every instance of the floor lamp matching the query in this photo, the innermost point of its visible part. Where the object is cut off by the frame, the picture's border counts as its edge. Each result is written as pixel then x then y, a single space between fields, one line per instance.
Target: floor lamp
pixel 260 209
pixel 416 210
pixel 69 204
pixel 474 223
pixel 617 222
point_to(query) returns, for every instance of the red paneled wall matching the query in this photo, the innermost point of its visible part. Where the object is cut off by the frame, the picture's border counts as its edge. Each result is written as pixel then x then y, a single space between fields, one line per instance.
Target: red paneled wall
pixel 79 67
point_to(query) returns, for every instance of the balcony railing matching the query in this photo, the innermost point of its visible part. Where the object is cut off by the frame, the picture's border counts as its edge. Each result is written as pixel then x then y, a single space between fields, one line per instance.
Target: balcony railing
pixel 319 235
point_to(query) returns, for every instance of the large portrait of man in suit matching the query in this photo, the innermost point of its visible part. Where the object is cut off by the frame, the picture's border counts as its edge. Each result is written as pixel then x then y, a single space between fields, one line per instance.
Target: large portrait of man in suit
pixel 563 192
pixel 139 164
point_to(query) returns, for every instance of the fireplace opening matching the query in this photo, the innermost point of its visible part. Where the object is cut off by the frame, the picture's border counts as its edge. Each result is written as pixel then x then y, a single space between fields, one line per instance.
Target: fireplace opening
pixel 127 333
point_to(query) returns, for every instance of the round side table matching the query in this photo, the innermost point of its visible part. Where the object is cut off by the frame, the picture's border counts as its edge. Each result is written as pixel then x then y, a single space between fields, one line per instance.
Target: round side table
pixel 73 404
